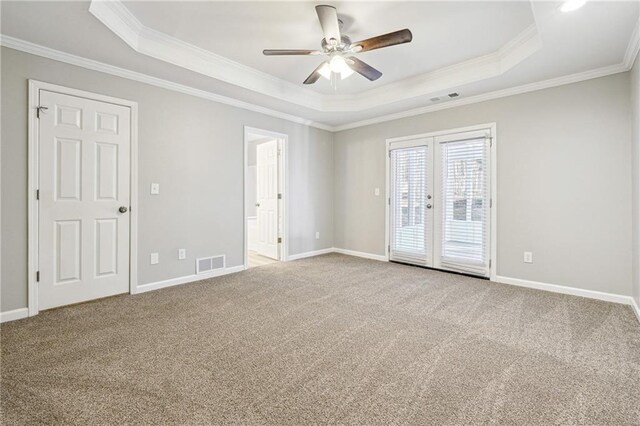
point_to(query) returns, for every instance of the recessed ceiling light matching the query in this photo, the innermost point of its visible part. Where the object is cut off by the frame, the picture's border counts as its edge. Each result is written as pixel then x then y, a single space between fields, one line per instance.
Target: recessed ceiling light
pixel 571 5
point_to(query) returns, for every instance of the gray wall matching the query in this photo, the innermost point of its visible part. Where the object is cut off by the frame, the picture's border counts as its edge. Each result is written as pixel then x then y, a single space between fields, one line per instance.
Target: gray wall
pixel 192 147
pixel 635 111
pixel 564 181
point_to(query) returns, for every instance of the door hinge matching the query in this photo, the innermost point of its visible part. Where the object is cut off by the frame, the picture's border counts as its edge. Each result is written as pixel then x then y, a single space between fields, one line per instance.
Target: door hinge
pixel 489 263
pixel 279 196
pixel 490 142
pixel 490 202
pixel 389 249
pixel 389 200
pixel 37 276
pixel 279 240
pixel 40 109
pixel 37 194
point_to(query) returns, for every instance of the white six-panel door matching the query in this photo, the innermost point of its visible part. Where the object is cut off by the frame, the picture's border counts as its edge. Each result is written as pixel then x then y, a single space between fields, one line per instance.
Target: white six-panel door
pixel 84 172
pixel 267 198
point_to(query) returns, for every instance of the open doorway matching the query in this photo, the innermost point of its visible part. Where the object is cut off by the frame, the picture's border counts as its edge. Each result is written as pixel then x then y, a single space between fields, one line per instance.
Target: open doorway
pixel 264 189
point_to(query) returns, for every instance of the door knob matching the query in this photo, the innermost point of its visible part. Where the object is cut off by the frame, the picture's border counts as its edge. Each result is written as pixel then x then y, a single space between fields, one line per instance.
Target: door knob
pixel 428 206
pixel 257 204
pixel 122 209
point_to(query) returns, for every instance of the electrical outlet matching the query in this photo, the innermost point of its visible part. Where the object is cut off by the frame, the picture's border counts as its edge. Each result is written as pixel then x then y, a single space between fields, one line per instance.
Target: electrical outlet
pixel 376 192
pixel 182 254
pixel 317 235
pixel 155 188
pixel 528 257
pixel 155 258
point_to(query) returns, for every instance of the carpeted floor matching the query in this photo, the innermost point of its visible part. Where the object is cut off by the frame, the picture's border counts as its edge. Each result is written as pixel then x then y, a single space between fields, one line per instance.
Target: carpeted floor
pixel 331 339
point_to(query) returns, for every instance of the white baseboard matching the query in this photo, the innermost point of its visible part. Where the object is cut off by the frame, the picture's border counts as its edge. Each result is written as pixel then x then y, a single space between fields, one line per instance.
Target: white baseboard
pixel 379 257
pixel 636 308
pixel 186 279
pixel 13 315
pixel 309 254
pixel 591 294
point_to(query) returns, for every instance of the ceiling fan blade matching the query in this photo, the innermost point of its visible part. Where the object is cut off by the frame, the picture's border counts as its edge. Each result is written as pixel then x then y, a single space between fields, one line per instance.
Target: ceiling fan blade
pixel 315 75
pixel 386 40
pixel 363 68
pixel 277 52
pixel 328 16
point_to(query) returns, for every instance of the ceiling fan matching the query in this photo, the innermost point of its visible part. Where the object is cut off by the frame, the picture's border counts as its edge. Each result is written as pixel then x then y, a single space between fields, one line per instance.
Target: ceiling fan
pixel 340 50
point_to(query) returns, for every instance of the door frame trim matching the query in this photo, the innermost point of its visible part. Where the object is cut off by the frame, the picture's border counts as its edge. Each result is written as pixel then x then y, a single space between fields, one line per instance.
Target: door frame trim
pixel 494 185
pixel 34 166
pixel 283 186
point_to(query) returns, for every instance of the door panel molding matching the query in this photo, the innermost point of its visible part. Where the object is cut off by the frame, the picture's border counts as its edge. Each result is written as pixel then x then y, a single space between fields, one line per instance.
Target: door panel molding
pixel 440 136
pixel 70 118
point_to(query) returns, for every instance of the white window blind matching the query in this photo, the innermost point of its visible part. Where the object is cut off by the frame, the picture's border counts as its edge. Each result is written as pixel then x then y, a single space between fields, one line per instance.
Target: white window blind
pixel 465 197
pixel 408 236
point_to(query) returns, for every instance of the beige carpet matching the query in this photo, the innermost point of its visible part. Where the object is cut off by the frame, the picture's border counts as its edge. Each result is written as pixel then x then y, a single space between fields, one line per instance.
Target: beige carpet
pixel 332 339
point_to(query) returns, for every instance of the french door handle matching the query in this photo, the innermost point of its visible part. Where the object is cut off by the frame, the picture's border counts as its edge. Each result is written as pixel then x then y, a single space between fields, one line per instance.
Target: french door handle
pixel 123 209
pixel 428 206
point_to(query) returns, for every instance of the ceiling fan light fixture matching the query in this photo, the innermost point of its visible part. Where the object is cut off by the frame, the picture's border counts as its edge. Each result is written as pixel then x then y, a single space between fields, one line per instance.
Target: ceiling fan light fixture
pixel 571 5
pixel 325 71
pixel 338 64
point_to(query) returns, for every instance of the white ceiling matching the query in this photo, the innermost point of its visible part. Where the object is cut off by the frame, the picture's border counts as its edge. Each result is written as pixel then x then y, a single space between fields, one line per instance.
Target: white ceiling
pixel 469 47
pixel 241 30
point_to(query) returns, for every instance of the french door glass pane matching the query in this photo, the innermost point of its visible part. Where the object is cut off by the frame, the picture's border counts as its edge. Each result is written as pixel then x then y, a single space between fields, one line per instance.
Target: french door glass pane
pixel 465 195
pixel 408 181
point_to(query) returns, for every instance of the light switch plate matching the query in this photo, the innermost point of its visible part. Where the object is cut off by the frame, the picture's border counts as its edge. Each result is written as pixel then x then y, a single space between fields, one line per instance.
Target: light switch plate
pixel 528 257
pixel 182 254
pixel 155 188
pixel 155 258
pixel 377 192
pixel 317 235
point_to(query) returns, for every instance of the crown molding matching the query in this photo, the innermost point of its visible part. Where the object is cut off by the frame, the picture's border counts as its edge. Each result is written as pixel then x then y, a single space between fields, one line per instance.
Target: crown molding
pixel 116 17
pixel 481 68
pixel 147 41
pixel 633 46
pixel 46 52
pixel 532 87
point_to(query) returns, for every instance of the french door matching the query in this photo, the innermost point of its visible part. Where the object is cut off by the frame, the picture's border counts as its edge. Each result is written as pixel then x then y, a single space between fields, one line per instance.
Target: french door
pixel 439 206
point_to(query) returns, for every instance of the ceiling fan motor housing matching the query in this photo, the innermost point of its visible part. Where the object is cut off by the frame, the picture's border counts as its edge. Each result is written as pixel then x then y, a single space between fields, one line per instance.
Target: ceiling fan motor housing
pixel 345 42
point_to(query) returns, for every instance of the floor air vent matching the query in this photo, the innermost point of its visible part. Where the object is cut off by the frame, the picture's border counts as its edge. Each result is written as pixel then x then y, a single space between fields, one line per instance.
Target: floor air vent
pixel 208 264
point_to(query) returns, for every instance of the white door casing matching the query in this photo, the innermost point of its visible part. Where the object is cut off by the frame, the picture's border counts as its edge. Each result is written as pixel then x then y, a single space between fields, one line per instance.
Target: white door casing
pixel 452 174
pixel 267 198
pixel 84 179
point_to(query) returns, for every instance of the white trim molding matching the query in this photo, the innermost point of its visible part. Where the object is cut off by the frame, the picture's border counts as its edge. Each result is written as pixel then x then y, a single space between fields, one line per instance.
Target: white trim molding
pixel 14 315
pixel 503 93
pixel 45 52
pixel 283 188
pixel 636 308
pixel 148 41
pixel 378 257
pixel 573 291
pixel 143 288
pixel 311 254
pixel 632 47
pixel 90 64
